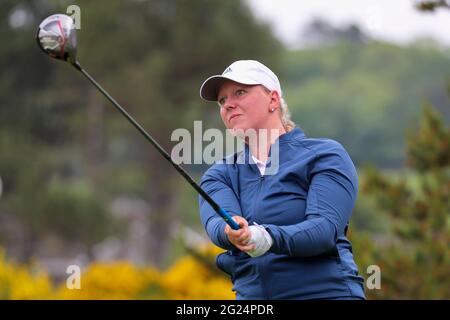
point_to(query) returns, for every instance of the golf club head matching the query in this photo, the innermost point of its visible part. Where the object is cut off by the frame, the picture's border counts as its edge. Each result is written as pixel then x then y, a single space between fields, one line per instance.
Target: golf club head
pixel 57 37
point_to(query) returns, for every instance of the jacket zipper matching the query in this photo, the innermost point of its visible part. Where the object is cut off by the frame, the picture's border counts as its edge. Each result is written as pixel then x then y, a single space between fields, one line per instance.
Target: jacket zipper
pixel 262 261
pixel 261 180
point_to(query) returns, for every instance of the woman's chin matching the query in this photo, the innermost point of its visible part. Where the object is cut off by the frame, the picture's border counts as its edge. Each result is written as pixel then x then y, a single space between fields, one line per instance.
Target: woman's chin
pixel 239 131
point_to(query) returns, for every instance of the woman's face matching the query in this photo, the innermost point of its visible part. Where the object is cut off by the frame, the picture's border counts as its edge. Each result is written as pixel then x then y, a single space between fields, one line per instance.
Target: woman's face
pixel 244 107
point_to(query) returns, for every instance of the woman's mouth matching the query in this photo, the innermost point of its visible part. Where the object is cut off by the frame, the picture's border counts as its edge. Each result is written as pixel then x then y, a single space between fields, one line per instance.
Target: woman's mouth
pixel 233 116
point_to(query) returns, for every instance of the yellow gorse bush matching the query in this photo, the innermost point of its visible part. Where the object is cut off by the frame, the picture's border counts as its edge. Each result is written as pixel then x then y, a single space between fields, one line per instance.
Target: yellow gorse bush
pixel 187 279
pixel 20 282
pixel 191 277
pixel 196 277
pixel 118 280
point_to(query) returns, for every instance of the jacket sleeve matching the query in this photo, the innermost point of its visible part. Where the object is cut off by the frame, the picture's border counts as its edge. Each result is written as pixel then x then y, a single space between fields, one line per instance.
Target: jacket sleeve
pixel 330 201
pixel 217 184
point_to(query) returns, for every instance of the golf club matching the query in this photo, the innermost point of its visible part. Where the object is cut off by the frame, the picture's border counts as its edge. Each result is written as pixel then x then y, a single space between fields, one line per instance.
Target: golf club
pixel 56 36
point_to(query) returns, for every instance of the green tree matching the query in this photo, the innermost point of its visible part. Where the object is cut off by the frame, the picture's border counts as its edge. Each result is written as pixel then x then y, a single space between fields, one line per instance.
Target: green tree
pixel 432 5
pixel 365 95
pixel 152 56
pixel 173 46
pixel 414 260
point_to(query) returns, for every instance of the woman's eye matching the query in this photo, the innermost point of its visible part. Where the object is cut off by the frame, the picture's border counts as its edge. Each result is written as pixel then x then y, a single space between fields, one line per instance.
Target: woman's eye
pixel 221 101
pixel 240 92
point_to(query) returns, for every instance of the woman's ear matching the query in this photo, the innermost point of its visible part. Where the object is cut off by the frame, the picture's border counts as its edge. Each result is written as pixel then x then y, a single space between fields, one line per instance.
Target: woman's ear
pixel 274 101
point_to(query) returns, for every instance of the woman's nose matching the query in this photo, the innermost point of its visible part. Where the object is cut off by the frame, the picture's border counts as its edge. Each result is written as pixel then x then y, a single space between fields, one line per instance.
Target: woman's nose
pixel 230 104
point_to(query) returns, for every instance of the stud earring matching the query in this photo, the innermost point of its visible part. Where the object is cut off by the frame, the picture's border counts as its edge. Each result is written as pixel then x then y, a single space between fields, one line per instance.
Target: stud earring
pixel 272 110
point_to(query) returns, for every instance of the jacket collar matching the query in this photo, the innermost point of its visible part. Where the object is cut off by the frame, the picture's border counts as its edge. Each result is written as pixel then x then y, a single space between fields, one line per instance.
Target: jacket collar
pixel 295 133
pixel 287 137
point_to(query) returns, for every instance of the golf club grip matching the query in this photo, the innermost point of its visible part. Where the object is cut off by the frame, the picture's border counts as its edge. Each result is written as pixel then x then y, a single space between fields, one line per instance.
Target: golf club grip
pixel 220 211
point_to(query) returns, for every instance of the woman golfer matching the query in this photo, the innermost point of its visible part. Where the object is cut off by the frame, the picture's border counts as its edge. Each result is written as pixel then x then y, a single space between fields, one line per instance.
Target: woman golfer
pixel 291 195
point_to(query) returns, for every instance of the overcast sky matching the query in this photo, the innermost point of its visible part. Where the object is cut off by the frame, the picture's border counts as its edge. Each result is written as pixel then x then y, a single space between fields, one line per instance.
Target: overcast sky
pixel 392 20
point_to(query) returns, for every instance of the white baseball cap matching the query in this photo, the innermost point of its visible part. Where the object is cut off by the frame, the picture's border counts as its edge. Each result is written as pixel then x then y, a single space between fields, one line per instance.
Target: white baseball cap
pixel 249 72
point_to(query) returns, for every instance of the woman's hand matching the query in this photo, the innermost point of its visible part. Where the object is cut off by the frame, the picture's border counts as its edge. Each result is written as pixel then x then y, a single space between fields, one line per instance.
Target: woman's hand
pixel 240 238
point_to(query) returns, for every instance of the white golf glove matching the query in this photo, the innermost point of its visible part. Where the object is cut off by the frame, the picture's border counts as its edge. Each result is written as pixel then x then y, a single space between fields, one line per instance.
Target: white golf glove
pixel 261 239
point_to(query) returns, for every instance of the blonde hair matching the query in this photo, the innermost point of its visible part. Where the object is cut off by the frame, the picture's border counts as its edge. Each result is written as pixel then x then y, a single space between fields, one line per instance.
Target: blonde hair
pixel 288 124
pixel 286 121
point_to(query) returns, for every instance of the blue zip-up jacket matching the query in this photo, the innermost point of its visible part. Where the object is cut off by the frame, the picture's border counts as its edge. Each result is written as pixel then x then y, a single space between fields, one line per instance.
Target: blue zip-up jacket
pixel 305 207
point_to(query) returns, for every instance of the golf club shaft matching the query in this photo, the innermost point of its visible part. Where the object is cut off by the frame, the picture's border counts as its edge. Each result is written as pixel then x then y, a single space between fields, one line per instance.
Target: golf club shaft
pixel 191 181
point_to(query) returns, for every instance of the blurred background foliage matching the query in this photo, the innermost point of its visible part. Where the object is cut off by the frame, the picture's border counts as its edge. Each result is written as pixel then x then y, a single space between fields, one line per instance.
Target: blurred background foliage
pixel 79 185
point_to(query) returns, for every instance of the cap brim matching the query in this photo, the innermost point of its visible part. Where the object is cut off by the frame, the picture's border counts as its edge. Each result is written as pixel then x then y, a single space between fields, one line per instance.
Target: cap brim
pixel 210 87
